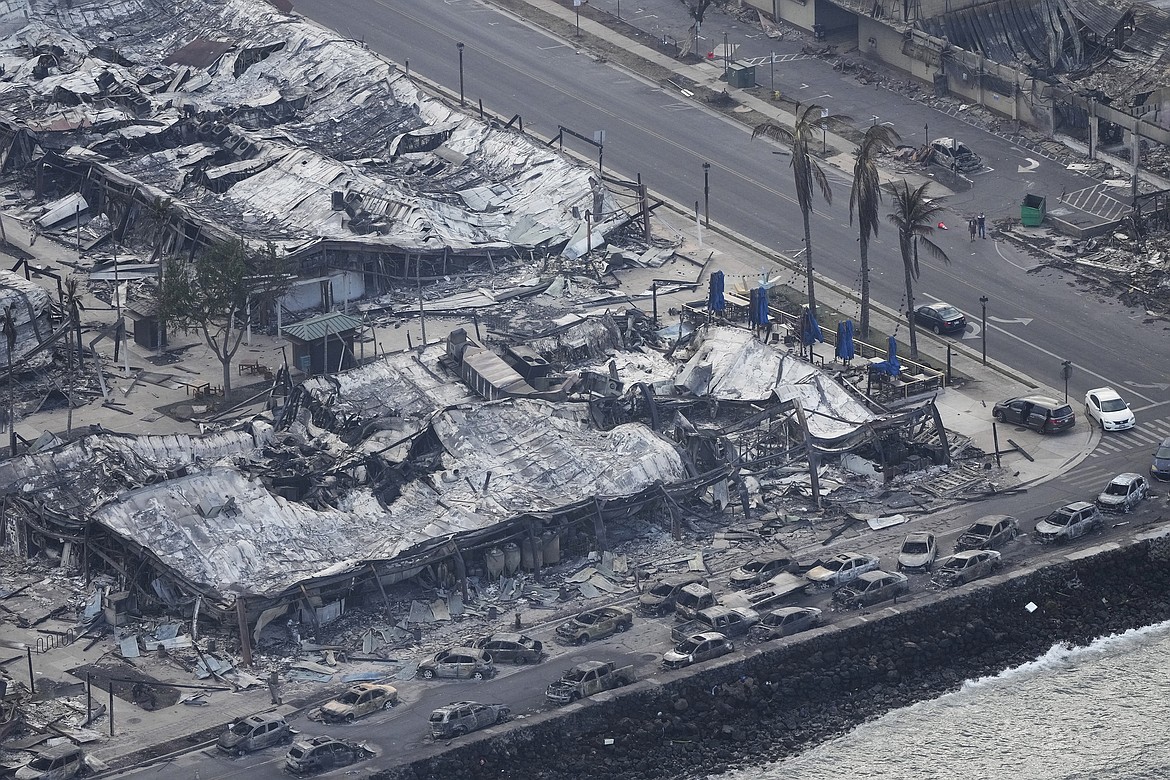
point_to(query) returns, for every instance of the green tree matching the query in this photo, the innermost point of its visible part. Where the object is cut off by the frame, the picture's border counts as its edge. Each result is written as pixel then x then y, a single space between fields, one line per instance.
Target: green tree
pixel 864 199
pixel 914 216
pixel 805 171
pixel 213 293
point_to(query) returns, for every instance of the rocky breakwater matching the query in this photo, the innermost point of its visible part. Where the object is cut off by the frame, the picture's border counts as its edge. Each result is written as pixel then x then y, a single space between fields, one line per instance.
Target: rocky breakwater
pixel 780 700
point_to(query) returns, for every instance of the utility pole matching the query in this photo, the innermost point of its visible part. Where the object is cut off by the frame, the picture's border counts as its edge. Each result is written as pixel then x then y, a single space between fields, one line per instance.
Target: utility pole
pixel 707 194
pixel 459 46
pixel 983 326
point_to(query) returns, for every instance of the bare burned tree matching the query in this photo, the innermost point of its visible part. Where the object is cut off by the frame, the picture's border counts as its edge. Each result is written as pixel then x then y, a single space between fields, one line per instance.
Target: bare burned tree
pixel 696 9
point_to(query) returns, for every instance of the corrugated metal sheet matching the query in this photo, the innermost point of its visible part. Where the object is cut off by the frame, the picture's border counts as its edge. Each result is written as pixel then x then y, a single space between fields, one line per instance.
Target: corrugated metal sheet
pixel 317 327
pixel 1099 17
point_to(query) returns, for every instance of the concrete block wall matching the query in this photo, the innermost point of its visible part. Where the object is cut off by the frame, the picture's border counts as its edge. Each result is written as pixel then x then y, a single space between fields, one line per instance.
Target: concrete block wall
pixel 781 699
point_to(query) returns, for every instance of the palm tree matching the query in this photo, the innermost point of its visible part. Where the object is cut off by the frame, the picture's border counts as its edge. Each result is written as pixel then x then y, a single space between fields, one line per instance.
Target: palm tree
pixel 914 216
pixel 805 170
pixel 864 199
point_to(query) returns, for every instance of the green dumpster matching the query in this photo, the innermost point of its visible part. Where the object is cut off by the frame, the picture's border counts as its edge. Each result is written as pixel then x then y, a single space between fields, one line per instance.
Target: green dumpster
pixel 1032 212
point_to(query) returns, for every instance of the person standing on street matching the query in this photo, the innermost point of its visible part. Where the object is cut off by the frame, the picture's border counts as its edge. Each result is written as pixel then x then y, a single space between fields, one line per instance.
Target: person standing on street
pixel 274 687
pixel 971 227
pixel 982 225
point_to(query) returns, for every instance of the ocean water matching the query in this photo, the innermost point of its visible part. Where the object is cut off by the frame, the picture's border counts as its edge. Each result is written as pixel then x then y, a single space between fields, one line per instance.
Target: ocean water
pixel 1100 712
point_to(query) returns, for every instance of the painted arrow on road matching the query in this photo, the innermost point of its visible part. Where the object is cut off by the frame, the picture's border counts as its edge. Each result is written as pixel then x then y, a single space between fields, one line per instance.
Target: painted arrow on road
pixel 1017 321
pixel 1163 388
pixel 1031 166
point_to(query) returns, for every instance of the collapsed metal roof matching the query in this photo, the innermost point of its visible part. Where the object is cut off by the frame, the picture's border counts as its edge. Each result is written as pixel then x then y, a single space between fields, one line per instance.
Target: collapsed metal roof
pixel 277 130
pixel 223 533
pixel 732 364
pixel 29 304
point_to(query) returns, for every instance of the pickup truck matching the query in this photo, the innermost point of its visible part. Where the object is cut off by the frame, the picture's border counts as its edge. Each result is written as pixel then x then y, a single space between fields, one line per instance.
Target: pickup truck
pixel 729 621
pixel 586 679
pixel 769 595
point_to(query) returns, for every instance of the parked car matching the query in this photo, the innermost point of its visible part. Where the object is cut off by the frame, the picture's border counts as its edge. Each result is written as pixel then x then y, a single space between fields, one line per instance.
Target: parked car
pixel 255 732
pixel 955 155
pixel 512 648
pixel 659 597
pixel 966 566
pixel 691 600
pixel 359 701
pixel 987 533
pixel 918 552
pixel 696 649
pixel 786 621
pixel 729 621
pixel 940 317
pixel 1071 521
pixel 759 570
pixel 461 663
pixel 1124 493
pixel 53 763
pixel 318 754
pixel 871 588
pixel 461 717
pixel 1160 468
pixel 841 569
pixel 595 624
pixel 1038 412
pixel 1109 409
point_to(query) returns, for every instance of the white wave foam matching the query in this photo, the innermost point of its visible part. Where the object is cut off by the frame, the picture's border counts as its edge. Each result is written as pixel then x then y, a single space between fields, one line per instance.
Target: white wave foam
pixel 1061 656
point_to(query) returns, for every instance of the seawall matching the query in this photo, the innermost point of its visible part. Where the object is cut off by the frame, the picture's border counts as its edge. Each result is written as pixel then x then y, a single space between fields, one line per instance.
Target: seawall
pixel 783 699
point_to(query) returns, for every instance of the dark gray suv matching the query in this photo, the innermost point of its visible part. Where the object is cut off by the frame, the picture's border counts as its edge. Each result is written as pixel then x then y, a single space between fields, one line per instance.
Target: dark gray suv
pixel 1038 412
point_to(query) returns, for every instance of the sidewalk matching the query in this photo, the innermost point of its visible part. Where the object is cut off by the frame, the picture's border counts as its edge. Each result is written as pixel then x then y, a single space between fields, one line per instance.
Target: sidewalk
pixel 965 409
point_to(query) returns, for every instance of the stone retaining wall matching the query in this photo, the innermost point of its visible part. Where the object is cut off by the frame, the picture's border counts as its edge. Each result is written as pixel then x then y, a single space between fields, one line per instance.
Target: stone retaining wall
pixel 784 699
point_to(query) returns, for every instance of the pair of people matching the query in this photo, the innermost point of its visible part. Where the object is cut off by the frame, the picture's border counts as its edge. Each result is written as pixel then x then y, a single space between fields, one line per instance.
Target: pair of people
pixel 977 225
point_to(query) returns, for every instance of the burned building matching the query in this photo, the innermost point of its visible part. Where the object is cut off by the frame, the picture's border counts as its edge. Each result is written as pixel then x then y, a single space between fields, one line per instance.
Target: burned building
pixel 270 129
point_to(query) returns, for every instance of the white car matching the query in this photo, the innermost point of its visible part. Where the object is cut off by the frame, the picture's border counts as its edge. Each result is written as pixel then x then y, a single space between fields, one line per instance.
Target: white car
pixel 841 569
pixel 1108 408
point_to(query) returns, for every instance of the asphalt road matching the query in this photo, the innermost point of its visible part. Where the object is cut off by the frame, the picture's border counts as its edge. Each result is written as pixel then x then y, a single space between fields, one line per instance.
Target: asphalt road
pixel 1035 319
pixel 400 735
pixel 517 69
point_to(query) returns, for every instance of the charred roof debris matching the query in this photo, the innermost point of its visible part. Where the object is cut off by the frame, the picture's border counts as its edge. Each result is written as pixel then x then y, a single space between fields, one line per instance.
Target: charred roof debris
pixel 575 450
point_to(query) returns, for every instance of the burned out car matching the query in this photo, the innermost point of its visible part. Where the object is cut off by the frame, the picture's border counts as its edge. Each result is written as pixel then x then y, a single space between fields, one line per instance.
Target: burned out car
pixel 988 533
pixel 841 569
pixel 786 621
pixel 255 732
pixel 459 663
pixel 460 717
pixel 595 624
pixel 955 155
pixel 871 588
pixel 963 567
pixel 659 598
pixel 320 754
pixel 1071 521
pixel 918 552
pixel 53 763
pixel 759 570
pixel 1123 493
pixel 359 701
pixel 512 648
pixel 696 649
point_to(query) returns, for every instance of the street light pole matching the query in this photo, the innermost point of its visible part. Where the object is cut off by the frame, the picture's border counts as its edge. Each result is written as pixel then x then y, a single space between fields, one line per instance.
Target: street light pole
pixel 706 194
pixel 459 46
pixel 983 326
pixel 726 56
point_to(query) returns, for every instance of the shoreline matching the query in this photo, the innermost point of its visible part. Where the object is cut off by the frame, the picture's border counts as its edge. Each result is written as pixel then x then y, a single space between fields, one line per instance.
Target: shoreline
pixel 779 701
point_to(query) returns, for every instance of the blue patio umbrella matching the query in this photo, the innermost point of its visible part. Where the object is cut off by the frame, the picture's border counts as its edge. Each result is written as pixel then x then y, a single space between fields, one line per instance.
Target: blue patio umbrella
pixel 810 331
pixel 762 303
pixel 890 365
pixel 715 300
pixel 845 351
